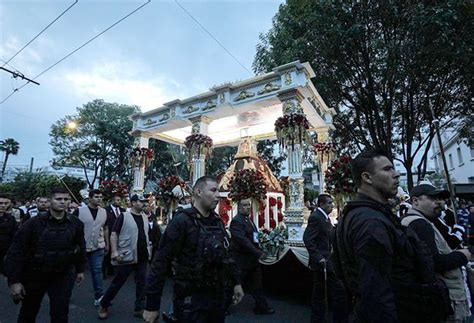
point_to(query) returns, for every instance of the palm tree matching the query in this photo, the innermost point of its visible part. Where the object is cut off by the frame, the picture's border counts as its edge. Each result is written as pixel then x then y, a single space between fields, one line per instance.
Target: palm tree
pixel 10 146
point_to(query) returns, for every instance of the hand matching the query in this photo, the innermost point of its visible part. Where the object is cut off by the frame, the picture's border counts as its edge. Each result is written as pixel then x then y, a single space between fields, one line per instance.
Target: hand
pixel 114 255
pixel 322 261
pixel 79 279
pixel 151 316
pixel 466 252
pixel 17 291
pixel 238 294
pixel 263 256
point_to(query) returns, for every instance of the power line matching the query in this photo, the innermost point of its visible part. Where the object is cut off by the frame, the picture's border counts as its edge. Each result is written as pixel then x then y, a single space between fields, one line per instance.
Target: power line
pixel 77 49
pixel 42 31
pixel 212 36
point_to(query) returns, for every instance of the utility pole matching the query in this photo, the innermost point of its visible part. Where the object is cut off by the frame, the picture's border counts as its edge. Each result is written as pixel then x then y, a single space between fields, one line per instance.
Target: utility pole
pixel 443 157
pixel 31 164
pixel 18 74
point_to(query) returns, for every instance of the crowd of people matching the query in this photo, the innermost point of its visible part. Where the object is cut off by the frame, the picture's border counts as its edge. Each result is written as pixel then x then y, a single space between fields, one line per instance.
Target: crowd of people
pixel 376 264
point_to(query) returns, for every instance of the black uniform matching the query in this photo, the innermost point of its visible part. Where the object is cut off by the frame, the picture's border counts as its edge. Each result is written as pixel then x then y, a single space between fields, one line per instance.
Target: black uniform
pixel 204 267
pixel 8 227
pixel 42 257
pixel 246 254
pixel 317 239
pixel 384 268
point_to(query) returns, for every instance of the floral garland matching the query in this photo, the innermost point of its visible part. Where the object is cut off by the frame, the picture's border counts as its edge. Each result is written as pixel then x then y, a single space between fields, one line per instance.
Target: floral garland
pixel 338 177
pixel 164 192
pixel 198 145
pixel 324 149
pixel 247 183
pixel 261 213
pixel 292 129
pixel 272 242
pixel 225 206
pixel 140 157
pixel 113 188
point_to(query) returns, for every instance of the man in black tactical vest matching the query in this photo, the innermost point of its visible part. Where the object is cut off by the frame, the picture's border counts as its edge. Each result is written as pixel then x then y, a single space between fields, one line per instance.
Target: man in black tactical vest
pixel 197 240
pixel 8 227
pixel 47 253
pixel 384 268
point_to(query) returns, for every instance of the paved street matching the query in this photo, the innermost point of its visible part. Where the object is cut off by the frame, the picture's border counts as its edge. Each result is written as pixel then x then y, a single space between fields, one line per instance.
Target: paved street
pixel 289 308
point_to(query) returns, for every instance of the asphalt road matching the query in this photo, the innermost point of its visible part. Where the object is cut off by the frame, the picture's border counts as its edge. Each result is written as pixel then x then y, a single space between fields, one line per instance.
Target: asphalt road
pixel 290 306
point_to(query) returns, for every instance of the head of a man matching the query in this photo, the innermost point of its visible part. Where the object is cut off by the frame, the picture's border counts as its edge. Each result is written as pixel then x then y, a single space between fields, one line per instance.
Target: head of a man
pixel 471 208
pixel 138 203
pixel 60 199
pixel 205 193
pixel 95 198
pixel 244 206
pixel 374 175
pixel 43 204
pixel 326 202
pixel 428 200
pixel 116 200
pixel 4 203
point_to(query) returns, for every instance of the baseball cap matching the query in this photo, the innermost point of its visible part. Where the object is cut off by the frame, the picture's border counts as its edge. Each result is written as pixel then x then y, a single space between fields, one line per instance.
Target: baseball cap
pixel 138 197
pixel 429 190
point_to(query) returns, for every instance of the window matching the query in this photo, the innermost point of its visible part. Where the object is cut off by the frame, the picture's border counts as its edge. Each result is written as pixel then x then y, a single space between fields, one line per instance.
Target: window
pixel 451 163
pixel 458 150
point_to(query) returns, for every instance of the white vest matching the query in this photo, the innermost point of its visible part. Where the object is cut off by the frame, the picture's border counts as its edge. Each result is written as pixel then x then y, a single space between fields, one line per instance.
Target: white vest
pixel 127 239
pixel 93 229
pixel 453 278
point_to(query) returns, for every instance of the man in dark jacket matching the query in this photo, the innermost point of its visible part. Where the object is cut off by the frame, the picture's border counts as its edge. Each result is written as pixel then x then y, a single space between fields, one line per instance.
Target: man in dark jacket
pixel 317 239
pixel 8 227
pixel 114 210
pixel 47 253
pixel 427 205
pixel 246 254
pixel 197 240
pixel 374 256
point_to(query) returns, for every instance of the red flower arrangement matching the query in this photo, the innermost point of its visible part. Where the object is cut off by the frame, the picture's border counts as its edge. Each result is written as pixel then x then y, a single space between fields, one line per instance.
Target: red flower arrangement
pixel 247 183
pixel 292 129
pixel 338 177
pixel 165 194
pixel 198 144
pixel 141 157
pixel 113 188
pixel 324 149
pixel 224 207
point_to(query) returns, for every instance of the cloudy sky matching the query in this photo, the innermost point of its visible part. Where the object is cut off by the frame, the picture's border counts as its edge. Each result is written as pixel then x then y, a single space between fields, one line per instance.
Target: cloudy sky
pixel 156 55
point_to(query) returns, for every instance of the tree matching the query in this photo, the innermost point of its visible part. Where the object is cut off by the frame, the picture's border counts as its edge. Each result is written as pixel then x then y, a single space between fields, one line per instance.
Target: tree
pixel 168 160
pixel 27 186
pixel 10 147
pixel 266 150
pixel 101 140
pixel 388 68
pixel 221 159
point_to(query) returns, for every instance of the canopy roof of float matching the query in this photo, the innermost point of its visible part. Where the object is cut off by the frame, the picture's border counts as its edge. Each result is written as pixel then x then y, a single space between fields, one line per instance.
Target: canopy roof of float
pixel 236 110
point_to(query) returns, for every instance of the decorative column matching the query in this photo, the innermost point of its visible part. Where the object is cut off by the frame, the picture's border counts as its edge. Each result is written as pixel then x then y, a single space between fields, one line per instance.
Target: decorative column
pixel 294 219
pixel 200 125
pixel 139 170
pixel 323 135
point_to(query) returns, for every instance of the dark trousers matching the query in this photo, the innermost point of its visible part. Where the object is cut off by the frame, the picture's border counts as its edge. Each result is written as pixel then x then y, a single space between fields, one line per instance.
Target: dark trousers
pixel 252 284
pixel 122 273
pixel 58 286
pixel 200 308
pixel 337 298
pixel 107 268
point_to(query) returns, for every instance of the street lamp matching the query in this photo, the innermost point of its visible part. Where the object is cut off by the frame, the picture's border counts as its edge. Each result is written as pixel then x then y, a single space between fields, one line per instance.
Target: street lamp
pixel 71 125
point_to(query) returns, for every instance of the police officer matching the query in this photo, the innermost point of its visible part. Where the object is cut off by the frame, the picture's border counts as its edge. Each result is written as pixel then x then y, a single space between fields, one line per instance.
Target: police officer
pixel 47 253
pixel 197 239
pixel 383 268
pixel 8 227
pixel 246 252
